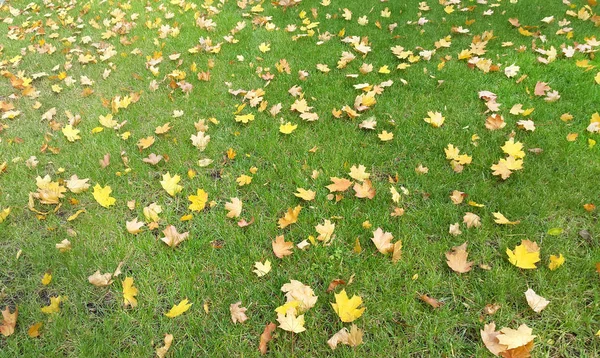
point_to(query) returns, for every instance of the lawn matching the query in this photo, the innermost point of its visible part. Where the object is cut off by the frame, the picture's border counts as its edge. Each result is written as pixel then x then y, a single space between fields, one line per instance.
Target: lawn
pixel 377 93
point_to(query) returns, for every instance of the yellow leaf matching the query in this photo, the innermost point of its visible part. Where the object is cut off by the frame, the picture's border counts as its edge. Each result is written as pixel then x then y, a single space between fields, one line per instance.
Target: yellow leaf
pixel 74 216
pixel 71 133
pixel 129 292
pixel 178 309
pixel 525 255
pixel 4 214
pixel 435 119
pixel 597 78
pixel 264 47
pixel 384 70
pixel 514 338
pixel 556 261
pixel 34 330
pixel 198 201
pixel 102 195
pixel 244 180
pixel 502 220
pixel 290 217
pixel 169 183
pixel 281 247
pixel 144 143
pixel 287 128
pixel 244 118
pixel 289 322
pixel 54 305
pixel 304 194
pixel 347 309
pixel 262 269
pixel 385 136
pixel 513 149
pixel 46 279
pixel 162 351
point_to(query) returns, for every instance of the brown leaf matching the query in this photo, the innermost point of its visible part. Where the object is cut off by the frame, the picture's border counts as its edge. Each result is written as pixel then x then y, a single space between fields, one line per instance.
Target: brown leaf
pixel 364 190
pixel 457 259
pixel 34 330
pixel 339 184
pixel 105 161
pixel 333 284
pixel 519 352
pixel 431 301
pixel 489 336
pixel 491 308
pixel 265 337
pixel 244 223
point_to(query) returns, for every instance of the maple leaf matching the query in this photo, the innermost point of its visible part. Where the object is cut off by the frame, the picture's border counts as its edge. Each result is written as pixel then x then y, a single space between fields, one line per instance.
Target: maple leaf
pixel 102 195
pixel 364 190
pixel 359 173
pixel 129 292
pixel 244 180
pixel 63 246
pixel 513 149
pixel 502 220
pixel 296 291
pixel 244 118
pixel 134 226
pixel 287 128
pixel 169 183
pixel 501 169
pixel 198 201
pixel 325 231
pixel 262 269
pixel 535 301
pixel 494 122
pixel 100 280
pixel 162 351
pixel 4 214
pixel 238 313
pixel 172 237
pixel 71 133
pixel 431 301
pixel 525 255
pixel 289 322
pixel 347 308
pixel 290 217
pixel 179 308
pixel 200 140
pixel 556 262
pixel 457 259
pixel 338 184
pixel 9 321
pixel 385 136
pixel 472 220
pixel 281 247
pixel 435 119
pixel 352 338
pixel 145 143
pixel 514 338
pixel 76 185
pixel 304 194
pixel 489 336
pixel 383 241
pixel 234 207
pixel 34 330
pixel 46 279
pixel 54 306
pixel 266 337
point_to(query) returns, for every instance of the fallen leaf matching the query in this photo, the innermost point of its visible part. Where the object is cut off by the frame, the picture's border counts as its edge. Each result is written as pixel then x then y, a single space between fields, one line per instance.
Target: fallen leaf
pixel 431 301
pixel 347 308
pixel 457 259
pixel 525 255
pixel 535 301
pixel 266 337
pixel 9 321
pixel 290 217
pixel 162 351
pixel 238 313
pixel 281 247
pixel 129 292
pixel 179 308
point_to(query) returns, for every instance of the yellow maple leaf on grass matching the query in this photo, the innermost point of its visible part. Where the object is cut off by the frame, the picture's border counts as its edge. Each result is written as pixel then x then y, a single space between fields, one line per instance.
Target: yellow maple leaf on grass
pixel 556 262
pixel 290 217
pixel 287 128
pixel 72 134
pixel 289 322
pixel 129 292
pixel 4 214
pixel 198 201
pixel 304 194
pixel 102 195
pixel 170 184
pixel 525 255
pixel 347 308
pixel 179 308
pixel 9 321
pixel 54 305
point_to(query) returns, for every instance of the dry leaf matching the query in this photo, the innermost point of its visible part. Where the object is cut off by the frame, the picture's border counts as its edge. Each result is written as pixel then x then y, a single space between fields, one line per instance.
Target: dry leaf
pixel 457 259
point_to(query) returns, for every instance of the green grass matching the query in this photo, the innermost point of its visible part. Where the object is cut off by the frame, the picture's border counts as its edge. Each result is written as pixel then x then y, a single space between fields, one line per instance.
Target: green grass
pixel 548 193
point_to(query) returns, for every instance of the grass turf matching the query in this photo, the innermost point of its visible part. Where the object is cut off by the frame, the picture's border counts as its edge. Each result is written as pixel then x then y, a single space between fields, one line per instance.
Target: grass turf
pixel 548 193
